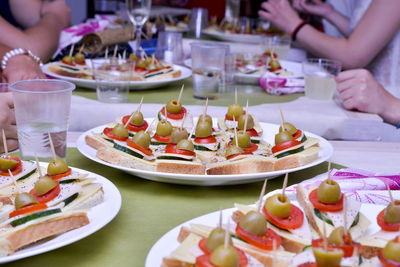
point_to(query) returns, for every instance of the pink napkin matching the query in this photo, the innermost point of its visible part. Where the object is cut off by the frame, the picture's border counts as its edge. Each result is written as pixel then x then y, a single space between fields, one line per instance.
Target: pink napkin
pixel 276 85
pixel 364 186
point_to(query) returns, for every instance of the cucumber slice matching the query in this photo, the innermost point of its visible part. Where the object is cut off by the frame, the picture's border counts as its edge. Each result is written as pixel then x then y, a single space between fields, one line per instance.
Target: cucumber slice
pixel 155 143
pixel 27 175
pixel 202 148
pixel 69 68
pixel 322 216
pixel 159 115
pixel 303 139
pixel 128 151
pixel 173 158
pixel 68 181
pixel 291 152
pixel 34 216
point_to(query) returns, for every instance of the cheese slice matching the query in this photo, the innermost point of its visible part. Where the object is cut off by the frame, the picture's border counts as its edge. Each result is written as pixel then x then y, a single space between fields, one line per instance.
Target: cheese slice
pixel 211 146
pixel 27 167
pixel 337 218
pixel 183 252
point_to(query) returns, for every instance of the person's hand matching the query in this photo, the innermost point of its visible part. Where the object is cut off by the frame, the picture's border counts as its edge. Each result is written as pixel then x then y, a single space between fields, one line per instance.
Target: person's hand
pixel 60 11
pixel 22 67
pixel 281 14
pixel 7 122
pixel 318 7
pixel 359 90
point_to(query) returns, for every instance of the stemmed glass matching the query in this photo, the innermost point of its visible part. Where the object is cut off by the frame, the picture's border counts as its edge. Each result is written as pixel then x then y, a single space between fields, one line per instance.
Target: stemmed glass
pixel 138 11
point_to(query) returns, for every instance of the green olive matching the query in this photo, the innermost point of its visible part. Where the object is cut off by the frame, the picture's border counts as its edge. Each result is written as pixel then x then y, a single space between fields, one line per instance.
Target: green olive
pixel 328 258
pixel 148 61
pixel 174 107
pixel 225 257
pixel 137 119
pixel 206 118
pixel 242 119
pixel 56 167
pixel 164 128
pixel 254 223
pixel 68 59
pixel 7 163
pixel 142 139
pixel 233 150
pixel 177 135
pixel 288 128
pixel 274 64
pixel 113 61
pixel 243 140
pixel 133 57
pixel 235 110
pixel 24 199
pixel 120 130
pixel 203 129
pixel 329 192
pixel 283 137
pixel 392 251
pixel 141 64
pixel 216 238
pixel 79 58
pixel 185 145
pixel 44 185
pixel 336 236
pixel 392 212
pixel 278 206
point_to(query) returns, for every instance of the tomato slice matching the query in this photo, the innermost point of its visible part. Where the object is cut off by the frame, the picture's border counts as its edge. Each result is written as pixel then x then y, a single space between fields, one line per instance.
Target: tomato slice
pixel 60 175
pixel 204 260
pixel 235 155
pixel 322 206
pixel 293 221
pixel 108 132
pixel 171 148
pixel 308 264
pixel 253 147
pixel 386 262
pixel 16 170
pixel 390 227
pixel 68 63
pixel 146 151
pixel 229 118
pixel 203 247
pixel 252 132
pixel 348 247
pixel 285 145
pixel 52 194
pixel 263 242
pixel 173 116
pixel 134 128
pixel 161 139
pixel 205 140
pixel 28 209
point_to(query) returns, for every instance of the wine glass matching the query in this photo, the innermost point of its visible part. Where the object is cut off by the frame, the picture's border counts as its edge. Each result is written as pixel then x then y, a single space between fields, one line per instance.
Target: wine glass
pixel 138 11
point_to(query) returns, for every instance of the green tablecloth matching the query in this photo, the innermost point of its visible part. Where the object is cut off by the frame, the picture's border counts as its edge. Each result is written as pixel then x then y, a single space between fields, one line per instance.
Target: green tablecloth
pixel 255 94
pixel 149 209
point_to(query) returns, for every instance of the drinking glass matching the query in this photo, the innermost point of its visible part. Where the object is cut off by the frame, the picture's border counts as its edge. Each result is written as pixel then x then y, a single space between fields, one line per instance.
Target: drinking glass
pixel 198 21
pixel 170 47
pixel 279 43
pixel 319 75
pixel 42 107
pixel 138 11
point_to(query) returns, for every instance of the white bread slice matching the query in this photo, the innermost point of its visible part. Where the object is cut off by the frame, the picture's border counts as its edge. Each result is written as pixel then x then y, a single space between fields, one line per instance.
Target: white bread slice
pixel 120 158
pixel 97 142
pixel 298 159
pixel 180 166
pixel 81 72
pixel 165 76
pixel 244 165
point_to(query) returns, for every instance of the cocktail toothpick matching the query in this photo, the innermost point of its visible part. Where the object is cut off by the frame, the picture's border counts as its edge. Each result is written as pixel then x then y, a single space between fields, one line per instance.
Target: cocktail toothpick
pixel 81 48
pixel 329 171
pixel 284 185
pixel 133 113
pixel 38 166
pixel 205 108
pixel 235 131
pixel 53 152
pixel 324 238
pixel 226 241
pixel 344 215
pixel 151 124
pixel 390 193
pixel 71 50
pixel 115 51
pixel 281 118
pixel 220 219
pixel 191 132
pixel 355 258
pixel 106 53
pixel 180 94
pixel 236 97
pixel 4 142
pixel 274 257
pixel 247 116
pixel 124 55
pixel 260 199
pixel 17 188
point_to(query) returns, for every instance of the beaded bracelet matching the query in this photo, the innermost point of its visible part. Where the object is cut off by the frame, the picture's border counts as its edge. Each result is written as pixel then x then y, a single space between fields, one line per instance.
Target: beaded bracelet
pixel 16 52
pixel 297 29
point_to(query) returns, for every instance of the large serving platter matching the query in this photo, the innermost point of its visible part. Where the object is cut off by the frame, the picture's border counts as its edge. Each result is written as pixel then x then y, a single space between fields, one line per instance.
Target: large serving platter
pixel 97 216
pixel 234 37
pixel 269 131
pixel 133 85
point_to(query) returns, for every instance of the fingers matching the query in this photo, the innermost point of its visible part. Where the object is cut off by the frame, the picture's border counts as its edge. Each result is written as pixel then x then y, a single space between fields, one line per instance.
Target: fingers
pixel 346 84
pixel 349 74
pixel 264 15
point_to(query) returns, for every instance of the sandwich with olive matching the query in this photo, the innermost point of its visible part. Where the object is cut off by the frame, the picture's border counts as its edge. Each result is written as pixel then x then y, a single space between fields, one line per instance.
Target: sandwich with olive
pixel 19 169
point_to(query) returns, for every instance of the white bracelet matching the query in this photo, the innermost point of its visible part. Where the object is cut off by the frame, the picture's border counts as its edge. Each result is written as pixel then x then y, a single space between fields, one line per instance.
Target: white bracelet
pixel 16 52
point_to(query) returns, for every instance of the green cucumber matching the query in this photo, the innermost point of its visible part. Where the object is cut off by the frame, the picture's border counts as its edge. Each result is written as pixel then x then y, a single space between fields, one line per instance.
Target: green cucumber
pixel 202 148
pixel 34 216
pixel 69 68
pixel 128 151
pixel 237 237
pixel 303 139
pixel 173 158
pixel 159 116
pixel 356 220
pixel 306 247
pixel 155 143
pixel 67 200
pixel 320 215
pixel 156 73
pixel 252 140
pixel 131 134
pixel 27 175
pixel 290 152
pixel 68 181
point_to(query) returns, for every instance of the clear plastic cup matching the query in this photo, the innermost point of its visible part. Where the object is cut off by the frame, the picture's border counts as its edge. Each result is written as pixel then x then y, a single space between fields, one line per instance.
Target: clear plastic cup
pixel 279 43
pixel 170 47
pixel 198 21
pixel 42 107
pixel 319 75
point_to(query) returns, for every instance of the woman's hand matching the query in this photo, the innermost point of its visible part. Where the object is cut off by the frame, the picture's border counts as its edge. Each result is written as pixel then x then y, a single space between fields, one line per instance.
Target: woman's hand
pixel 22 67
pixel 281 14
pixel 7 122
pixel 318 7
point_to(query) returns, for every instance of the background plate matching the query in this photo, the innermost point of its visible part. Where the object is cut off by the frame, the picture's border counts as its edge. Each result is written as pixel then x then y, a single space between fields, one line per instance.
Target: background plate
pixel 99 217
pixel 208 180
pixel 235 37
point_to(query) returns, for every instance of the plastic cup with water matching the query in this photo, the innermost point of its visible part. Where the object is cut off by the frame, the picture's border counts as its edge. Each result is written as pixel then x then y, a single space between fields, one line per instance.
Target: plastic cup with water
pixel 170 47
pixel 279 43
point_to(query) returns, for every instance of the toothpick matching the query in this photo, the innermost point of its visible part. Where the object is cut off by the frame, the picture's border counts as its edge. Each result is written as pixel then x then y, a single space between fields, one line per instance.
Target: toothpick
pixel 106 53
pixel 152 59
pixel 390 194
pixel 166 117
pixel 236 139
pixel 220 219
pixel 284 185
pixel 345 214
pixel 140 105
pixel 53 152
pixel 115 51
pixel 124 55
pixel 81 48
pixel 4 143
pixel 329 171
pixel 281 118
pixel 133 113
pixel 274 259
pixel 183 120
pixel 324 237
pixel 205 108
pixel 151 124
pixel 262 193
pixel 226 241
pixel 119 57
pixel 71 50
pixel 236 97
pixel 355 257
pixel 247 116
pixel 191 132
pixel 180 94
pixel 38 166
pixel 14 182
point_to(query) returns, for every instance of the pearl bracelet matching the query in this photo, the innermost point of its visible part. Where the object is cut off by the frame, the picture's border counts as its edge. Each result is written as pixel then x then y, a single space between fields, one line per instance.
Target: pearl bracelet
pixel 16 52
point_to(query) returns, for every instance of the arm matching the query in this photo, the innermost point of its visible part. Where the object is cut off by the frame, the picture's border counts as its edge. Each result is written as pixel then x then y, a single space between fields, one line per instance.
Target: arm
pixel 7 122
pixel 26 12
pixel 375 30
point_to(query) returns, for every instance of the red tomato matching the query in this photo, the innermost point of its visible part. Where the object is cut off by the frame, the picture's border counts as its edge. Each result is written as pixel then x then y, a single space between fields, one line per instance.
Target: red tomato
pixel 134 128
pixel 253 147
pixel 203 247
pixel 161 139
pixel 252 132
pixel 146 151
pixel 28 209
pixel 14 171
pixel 204 260
pixel 308 264
pixel 205 140
pixel 52 194
pixel 386 262
pixel 391 227
pixel 235 155
pixel 60 175
pixel 348 247
pixel 171 148
pixel 294 221
pixel 322 206
pixel 297 134
pixel 263 242
pixel 173 116
pixel 67 63
pixel 285 145
pixel 108 132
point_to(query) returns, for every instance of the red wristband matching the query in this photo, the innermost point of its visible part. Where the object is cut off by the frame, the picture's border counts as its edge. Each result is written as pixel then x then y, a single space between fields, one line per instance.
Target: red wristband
pixel 297 29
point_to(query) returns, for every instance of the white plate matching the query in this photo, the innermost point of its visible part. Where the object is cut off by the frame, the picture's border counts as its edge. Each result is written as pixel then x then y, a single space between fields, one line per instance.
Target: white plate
pixel 168 242
pixel 97 216
pixel 235 37
pixel 208 180
pixel 134 85
pixel 291 66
